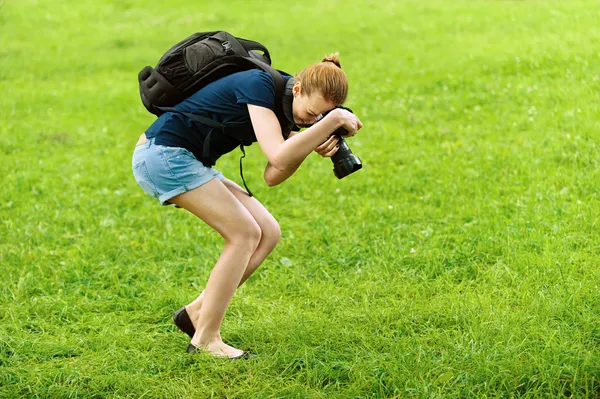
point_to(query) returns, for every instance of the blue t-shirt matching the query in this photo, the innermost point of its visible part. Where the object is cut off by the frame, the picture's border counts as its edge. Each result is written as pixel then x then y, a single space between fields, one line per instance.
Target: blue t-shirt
pixel 224 100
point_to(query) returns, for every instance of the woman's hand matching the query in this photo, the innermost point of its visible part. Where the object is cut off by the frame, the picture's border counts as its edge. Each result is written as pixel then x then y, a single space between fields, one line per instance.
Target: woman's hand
pixel 329 147
pixel 347 120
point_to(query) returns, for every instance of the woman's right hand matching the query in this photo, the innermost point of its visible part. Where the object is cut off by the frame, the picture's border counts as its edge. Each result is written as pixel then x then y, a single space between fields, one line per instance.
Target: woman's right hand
pixel 347 120
pixel 329 147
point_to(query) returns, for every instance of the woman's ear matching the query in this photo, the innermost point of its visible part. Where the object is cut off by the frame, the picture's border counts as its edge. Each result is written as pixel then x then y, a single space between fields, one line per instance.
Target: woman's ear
pixel 297 89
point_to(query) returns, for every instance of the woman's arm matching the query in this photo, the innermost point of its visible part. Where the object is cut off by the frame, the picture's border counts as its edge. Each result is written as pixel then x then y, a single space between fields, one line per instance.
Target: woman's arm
pixel 328 149
pixel 285 155
pixel 274 176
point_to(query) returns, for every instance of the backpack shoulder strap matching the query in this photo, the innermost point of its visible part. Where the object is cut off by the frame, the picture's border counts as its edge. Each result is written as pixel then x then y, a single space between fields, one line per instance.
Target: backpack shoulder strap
pixel 275 74
pixel 279 88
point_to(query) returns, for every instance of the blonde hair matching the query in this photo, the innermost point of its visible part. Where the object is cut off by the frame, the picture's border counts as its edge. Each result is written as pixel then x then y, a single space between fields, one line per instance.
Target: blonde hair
pixel 327 78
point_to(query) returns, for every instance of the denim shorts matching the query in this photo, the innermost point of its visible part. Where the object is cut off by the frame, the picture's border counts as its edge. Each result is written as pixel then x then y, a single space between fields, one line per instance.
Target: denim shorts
pixel 165 172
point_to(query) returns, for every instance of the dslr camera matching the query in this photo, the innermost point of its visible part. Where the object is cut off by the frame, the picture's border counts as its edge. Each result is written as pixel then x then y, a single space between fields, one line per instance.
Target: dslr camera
pixel 344 161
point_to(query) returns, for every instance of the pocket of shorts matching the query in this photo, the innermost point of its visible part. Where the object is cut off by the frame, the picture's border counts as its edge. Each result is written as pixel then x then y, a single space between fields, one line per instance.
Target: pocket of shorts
pixel 142 177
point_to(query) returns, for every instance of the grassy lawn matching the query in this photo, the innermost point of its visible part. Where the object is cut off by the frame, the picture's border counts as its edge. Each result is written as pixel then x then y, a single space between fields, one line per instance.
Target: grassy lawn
pixel 463 260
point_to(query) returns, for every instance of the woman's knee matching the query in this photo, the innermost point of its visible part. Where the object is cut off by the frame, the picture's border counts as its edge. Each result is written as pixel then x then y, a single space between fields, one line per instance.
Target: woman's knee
pixel 271 232
pixel 247 234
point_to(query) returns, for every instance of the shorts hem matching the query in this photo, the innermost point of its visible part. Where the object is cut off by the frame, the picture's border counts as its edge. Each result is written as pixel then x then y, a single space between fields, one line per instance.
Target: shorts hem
pixel 164 198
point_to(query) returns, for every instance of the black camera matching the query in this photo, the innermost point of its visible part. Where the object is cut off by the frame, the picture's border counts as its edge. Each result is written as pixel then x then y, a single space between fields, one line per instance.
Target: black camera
pixel 344 161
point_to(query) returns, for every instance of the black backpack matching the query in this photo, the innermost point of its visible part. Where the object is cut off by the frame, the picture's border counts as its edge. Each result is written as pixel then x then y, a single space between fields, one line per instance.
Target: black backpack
pixel 195 62
pixel 199 60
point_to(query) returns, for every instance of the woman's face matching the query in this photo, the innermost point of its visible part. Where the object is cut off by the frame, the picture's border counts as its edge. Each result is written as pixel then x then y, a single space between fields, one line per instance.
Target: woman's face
pixel 306 108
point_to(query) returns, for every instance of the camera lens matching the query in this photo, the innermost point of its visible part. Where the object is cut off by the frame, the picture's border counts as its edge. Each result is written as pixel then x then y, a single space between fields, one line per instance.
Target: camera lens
pixel 344 161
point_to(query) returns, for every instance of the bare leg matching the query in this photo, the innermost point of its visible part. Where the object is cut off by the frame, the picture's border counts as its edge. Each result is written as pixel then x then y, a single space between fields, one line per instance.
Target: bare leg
pixel 219 208
pixel 270 235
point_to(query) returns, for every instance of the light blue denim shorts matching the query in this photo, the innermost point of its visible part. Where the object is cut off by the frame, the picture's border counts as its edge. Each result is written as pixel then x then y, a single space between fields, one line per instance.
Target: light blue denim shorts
pixel 165 172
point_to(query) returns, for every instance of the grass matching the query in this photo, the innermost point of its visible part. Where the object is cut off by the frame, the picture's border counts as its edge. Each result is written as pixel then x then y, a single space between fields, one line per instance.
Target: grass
pixel 461 261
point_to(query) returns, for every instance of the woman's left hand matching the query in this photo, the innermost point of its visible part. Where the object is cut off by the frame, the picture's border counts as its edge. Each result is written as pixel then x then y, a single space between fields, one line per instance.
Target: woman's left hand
pixel 329 147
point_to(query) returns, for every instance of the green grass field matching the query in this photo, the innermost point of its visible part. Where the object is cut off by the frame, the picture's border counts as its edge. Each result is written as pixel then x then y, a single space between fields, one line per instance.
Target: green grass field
pixel 461 261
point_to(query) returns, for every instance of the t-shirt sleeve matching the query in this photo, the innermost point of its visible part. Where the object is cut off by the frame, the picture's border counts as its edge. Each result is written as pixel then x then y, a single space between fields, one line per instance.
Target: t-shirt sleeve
pixel 257 88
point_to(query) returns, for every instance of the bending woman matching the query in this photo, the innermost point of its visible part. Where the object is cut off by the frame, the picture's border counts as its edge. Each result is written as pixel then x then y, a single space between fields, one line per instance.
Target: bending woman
pixel 166 165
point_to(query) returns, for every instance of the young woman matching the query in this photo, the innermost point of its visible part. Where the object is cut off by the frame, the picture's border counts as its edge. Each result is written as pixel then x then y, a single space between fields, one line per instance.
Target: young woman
pixel 165 167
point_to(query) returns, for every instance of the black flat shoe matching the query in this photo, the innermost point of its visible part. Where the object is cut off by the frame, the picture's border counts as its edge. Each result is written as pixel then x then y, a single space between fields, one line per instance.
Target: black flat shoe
pixel 182 320
pixel 246 355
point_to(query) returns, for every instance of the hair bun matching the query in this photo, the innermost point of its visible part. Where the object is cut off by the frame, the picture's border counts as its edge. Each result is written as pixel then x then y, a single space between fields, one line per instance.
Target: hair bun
pixel 334 58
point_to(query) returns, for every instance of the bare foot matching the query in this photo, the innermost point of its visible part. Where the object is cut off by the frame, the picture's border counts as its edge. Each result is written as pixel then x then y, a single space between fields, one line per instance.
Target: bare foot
pixel 220 349
pixel 193 309
pixel 194 317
